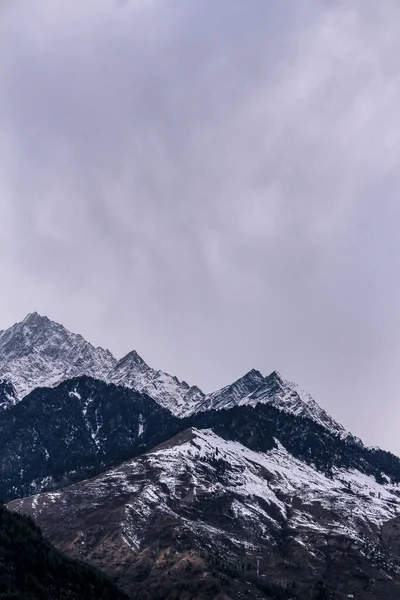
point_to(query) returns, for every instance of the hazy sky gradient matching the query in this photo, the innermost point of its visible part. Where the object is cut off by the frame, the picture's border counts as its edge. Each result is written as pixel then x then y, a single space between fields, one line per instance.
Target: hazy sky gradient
pixel 215 184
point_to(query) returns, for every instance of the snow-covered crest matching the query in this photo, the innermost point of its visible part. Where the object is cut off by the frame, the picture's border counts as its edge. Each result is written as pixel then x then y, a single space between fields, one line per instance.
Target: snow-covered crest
pixel 254 388
pixel 175 395
pixel 39 352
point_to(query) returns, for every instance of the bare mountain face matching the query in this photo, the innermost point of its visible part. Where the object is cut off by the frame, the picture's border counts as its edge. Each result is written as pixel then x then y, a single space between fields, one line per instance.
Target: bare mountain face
pixel 262 520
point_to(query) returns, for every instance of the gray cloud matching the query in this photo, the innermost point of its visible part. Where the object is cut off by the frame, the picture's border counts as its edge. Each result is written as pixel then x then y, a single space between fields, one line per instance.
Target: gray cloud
pixel 214 184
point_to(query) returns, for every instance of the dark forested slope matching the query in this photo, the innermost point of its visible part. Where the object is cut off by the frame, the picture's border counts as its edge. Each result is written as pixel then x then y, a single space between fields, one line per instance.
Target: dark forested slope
pixel 31 568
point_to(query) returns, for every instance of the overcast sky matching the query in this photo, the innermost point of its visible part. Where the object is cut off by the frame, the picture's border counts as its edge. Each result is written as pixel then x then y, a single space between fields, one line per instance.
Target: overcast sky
pixel 213 183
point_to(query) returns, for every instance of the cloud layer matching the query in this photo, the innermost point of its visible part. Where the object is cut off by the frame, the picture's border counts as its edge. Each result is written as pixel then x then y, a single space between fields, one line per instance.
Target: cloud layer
pixel 213 184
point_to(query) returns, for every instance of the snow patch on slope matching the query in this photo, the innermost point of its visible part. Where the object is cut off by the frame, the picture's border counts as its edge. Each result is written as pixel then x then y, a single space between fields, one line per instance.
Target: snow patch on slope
pixel 265 492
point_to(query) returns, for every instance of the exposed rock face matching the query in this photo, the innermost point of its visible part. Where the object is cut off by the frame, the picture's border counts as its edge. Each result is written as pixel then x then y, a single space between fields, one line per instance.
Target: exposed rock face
pixel 213 500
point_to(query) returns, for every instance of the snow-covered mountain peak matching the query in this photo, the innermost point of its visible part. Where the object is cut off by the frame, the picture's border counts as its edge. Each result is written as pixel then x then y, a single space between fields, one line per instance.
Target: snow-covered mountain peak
pixel 132 362
pixel 247 383
pixel 231 394
pixel 39 352
pixel 32 317
pixel 276 376
pixel 274 381
pixel 253 388
pixel 177 396
pixel 252 377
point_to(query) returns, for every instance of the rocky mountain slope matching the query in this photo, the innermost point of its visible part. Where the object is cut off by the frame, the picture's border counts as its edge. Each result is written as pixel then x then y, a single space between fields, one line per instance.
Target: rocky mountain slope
pixel 200 502
pixel 32 569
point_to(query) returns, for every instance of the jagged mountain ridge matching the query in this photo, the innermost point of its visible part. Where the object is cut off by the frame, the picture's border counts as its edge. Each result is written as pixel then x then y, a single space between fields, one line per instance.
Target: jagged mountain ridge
pixel 177 396
pixel 39 352
pixel 253 389
pixel 218 500
pixel 256 470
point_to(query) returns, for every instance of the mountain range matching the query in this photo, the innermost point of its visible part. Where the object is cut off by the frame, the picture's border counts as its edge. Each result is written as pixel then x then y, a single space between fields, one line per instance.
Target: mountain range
pixel 252 491
pixel 38 352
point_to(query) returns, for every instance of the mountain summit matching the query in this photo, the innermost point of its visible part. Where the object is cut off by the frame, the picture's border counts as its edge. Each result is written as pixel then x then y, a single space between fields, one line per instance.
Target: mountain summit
pixel 175 395
pixel 253 388
pixel 39 352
